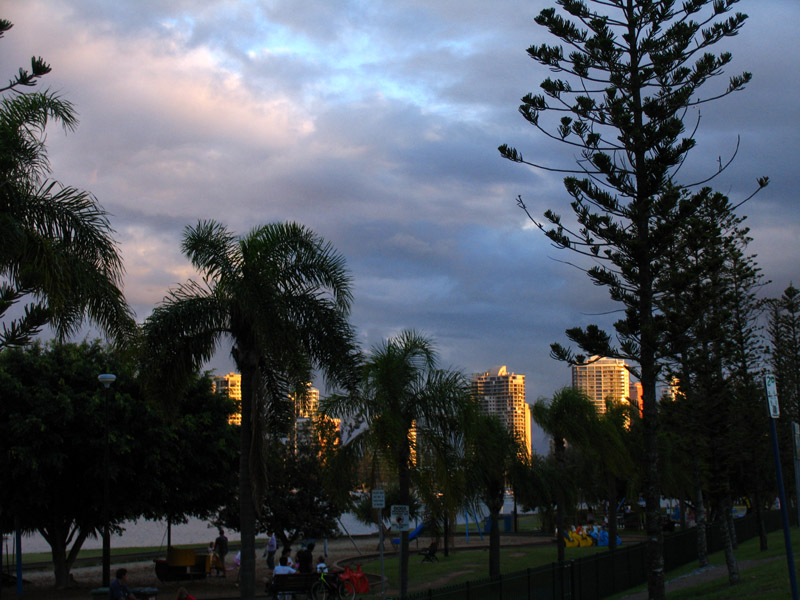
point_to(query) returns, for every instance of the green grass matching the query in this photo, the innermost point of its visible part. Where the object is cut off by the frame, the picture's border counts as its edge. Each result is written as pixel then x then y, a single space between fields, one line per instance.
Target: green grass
pixel 467 564
pixel 768 579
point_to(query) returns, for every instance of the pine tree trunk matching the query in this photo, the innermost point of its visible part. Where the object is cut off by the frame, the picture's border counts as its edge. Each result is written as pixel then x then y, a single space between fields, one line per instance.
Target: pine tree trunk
pixel 731 524
pixel 682 505
pixel 727 539
pixel 760 525
pixel 702 539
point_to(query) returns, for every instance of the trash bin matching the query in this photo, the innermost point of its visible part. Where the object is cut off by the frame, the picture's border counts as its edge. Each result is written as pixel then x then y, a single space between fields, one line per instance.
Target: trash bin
pixel 505 524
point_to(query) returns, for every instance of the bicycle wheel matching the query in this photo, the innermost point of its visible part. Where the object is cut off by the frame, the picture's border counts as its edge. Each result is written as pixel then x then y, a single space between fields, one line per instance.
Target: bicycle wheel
pixel 347 591
pixel 320 591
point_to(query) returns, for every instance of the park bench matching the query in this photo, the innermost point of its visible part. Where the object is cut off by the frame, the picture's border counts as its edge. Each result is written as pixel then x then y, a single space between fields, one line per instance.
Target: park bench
pixel 291 583
pixel 429 554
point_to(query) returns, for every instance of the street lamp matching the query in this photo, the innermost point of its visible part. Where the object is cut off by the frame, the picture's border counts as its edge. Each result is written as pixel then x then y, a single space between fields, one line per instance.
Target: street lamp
pixel 106 379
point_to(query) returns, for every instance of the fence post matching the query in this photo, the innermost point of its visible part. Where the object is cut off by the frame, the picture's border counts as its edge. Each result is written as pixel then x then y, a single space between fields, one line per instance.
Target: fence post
pixel 528 572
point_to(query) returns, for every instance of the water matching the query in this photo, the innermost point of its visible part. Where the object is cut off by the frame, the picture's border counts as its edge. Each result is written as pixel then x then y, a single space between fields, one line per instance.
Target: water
pixel 154 533
pixel 145 533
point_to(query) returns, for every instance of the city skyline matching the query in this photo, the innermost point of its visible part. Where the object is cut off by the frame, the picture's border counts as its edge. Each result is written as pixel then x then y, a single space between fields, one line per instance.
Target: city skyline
pixel 376 126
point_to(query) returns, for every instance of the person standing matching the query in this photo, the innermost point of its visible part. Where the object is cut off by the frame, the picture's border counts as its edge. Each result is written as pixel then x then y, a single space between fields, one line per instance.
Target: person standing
pixel 221 549
pixel 305 559
pixel 272 547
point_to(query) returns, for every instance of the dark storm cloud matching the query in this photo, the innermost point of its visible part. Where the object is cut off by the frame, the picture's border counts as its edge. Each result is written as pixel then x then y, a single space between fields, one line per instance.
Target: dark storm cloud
pixel 376 124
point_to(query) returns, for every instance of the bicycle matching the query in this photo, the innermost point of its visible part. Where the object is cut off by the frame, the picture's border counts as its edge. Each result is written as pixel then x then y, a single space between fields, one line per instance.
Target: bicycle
pixel 331 587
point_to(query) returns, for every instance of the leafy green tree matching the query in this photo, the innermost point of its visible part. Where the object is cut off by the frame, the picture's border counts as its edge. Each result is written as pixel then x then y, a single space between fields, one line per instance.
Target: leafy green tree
pixel 401 390
pixel 198 454
pixel 57 253
pixel 53 418
pixel 632 71
pixel 296 504
pixel 281 295
pixel 568 417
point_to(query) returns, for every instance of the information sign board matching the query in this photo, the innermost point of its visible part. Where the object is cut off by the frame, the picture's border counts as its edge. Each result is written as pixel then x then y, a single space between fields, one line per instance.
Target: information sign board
pixel 772 396
pixel 400 520
pixel 378 499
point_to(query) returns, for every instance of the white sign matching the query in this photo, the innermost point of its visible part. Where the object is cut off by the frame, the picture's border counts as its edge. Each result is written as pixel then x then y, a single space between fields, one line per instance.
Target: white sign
pixel 378 498
pixel 772 396
pixel 796 440
pixel 400 520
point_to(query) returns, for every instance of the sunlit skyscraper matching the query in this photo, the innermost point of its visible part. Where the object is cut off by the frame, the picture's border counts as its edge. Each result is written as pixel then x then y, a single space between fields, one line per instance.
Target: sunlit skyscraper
pixel 231 385
pixel 601 378
pixel 502 394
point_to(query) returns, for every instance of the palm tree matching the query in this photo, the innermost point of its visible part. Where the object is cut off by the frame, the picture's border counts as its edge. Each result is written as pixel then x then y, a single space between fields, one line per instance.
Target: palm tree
pixel 57 253
pixel 612 443
pixel 494 455
pixel 401 390
pixel 281 296
pixel 569 417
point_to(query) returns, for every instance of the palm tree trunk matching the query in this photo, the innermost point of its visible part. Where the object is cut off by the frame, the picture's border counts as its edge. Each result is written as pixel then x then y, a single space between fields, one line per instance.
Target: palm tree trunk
pixel 612 512
pixel 494 541
pixel 561 520
pixel 247 511
pixel 404 481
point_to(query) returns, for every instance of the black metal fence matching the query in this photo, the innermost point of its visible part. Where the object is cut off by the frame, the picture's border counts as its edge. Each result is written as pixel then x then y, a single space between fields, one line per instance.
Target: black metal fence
pixel 596 576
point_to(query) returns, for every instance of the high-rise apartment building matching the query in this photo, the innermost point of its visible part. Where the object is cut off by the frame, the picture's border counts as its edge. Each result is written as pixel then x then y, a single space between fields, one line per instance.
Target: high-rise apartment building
pixel 601 378
pixel 306 405
pixel 635 394
pixel 231 385
pixel 502 394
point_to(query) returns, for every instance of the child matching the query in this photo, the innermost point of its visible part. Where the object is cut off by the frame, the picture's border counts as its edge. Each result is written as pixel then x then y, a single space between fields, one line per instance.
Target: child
pixel 321 566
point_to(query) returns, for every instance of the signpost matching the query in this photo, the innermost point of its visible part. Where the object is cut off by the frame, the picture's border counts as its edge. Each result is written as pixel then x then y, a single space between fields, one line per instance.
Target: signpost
pixel 379 503
pixel 796 454
pixel 774 413
pixel 400 520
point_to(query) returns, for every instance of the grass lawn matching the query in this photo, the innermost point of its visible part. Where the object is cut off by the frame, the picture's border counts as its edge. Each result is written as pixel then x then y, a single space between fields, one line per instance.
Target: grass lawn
pixel 767 579
pixel 467 565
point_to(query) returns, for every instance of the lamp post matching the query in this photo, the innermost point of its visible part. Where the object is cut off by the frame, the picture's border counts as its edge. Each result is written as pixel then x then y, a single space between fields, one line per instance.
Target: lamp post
pixel 106 379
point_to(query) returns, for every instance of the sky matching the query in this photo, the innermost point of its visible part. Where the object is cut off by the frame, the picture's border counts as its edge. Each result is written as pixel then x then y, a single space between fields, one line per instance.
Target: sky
pixel 376 124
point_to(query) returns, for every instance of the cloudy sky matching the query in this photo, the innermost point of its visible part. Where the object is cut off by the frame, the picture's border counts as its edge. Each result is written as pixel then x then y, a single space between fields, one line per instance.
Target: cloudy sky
pixel 375 123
